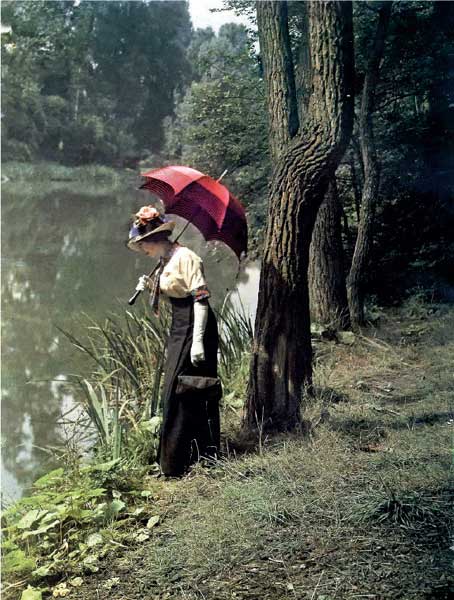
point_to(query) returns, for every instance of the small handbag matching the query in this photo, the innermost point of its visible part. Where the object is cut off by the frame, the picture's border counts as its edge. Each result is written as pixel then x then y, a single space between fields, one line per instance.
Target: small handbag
pixel 189 383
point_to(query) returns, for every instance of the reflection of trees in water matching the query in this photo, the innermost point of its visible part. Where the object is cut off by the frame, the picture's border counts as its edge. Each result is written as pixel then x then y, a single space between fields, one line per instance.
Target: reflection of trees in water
pixel 64 255
pixel 61 258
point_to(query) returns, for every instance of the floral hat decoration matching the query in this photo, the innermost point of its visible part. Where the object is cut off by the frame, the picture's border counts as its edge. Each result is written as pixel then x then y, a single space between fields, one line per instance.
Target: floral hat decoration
pixel 147 222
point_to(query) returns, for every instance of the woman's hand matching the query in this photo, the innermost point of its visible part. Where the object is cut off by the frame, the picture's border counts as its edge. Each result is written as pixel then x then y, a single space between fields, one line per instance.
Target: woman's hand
pixel 197 353
pixel 143 283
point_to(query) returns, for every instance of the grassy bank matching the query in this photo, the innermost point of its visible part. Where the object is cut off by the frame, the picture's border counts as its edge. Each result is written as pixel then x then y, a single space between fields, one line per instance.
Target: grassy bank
pixel 358 507
pixel 361 508
pixel 36 180
pixel 51 171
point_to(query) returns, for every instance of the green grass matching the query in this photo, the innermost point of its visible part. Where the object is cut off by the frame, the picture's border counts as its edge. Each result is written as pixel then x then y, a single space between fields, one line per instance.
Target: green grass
pixel 360 507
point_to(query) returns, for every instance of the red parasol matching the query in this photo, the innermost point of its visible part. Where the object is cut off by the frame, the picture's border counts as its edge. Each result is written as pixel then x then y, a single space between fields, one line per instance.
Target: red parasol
pixel 202 201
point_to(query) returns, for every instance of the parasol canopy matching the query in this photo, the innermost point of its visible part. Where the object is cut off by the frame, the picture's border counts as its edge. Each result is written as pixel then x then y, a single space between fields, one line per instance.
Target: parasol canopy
pixel 203 201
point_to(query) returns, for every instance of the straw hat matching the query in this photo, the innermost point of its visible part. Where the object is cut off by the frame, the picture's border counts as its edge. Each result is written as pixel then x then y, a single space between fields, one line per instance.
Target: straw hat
pixel 148 221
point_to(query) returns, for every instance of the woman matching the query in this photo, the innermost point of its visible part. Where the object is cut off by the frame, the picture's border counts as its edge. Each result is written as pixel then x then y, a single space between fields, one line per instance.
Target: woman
pixel 190 427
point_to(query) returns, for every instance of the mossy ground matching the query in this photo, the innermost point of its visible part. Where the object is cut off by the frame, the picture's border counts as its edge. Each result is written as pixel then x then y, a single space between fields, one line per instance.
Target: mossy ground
pixel 359 507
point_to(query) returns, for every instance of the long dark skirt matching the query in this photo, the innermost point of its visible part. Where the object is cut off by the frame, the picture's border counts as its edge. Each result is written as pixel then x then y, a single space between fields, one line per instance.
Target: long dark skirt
pixel 190 427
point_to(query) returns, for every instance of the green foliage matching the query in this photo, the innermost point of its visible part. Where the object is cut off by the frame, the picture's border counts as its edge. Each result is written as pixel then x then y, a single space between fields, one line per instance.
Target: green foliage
pixel 106 420
pixel 79 80
pixel 122 397
pixel 413 133
pixel 16 561
pixel 128 360
pixel 220 122
pixel 73 519
pixel 414 141
pixel 31 594
pixel 76 516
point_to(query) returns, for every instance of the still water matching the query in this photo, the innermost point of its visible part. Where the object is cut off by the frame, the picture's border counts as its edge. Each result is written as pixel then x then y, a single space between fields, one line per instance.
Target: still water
pixel 63 259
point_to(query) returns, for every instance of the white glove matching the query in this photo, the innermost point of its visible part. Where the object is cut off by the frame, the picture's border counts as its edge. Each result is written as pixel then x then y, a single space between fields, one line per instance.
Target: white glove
pixel 143 283
pixel 200 321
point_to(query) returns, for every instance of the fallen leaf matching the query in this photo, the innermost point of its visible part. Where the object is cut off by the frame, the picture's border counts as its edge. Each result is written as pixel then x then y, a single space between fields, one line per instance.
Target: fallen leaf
pixel 346 337
pixel 373 448
pixel 152 521
pixel 31 593
pixel 94 540
pixel 42 571
pixel 90 563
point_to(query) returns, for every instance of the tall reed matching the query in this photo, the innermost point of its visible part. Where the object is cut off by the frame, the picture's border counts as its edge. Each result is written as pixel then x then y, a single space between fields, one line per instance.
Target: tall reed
pixel 122 393
pixel 236 333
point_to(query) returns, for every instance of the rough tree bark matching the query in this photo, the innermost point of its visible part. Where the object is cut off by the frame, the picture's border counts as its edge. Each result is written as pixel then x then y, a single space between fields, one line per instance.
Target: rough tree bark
pixel 327 287
pixel 279 75
pixel 355 184
pixel 281 362
pixel 356 276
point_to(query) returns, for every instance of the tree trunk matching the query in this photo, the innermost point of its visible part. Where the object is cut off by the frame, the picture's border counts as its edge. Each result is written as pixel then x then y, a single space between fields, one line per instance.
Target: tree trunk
pixel 303 67
pixel 281 363
pixel 355 280
pixel 327 288
pixel 279 76
pixel 327 285
pixel 355 185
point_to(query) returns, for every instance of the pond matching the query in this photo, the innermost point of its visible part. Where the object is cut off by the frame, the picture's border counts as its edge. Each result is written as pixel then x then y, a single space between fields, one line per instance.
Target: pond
pixel 64 260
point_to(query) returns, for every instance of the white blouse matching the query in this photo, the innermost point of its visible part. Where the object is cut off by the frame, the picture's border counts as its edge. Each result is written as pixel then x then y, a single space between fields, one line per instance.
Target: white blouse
pixel 184 276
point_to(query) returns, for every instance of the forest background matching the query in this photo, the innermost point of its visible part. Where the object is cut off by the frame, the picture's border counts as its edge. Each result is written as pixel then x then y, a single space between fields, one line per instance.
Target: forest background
pixel 132 84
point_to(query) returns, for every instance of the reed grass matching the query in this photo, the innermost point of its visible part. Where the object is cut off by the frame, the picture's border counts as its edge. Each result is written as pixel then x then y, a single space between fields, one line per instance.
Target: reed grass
pixel 123 389
pixel 235 340
pixel 123 392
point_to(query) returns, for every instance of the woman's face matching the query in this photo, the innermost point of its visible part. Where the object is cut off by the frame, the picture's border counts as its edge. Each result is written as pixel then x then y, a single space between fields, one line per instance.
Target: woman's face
pixel 150 248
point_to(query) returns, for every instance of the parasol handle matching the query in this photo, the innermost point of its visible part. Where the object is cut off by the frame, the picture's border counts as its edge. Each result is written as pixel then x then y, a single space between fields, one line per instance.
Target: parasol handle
pixel 137 293
pixel 134 297
pixel 132 300
pixel 187 224
pixel 224 173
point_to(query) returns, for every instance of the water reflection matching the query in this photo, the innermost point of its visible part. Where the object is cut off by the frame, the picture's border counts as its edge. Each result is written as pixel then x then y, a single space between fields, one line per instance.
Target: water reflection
pixel 64 256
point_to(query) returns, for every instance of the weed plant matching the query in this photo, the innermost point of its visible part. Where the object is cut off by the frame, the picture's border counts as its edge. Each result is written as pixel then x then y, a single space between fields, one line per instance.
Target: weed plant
pixel 72 520
pixel 121 396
